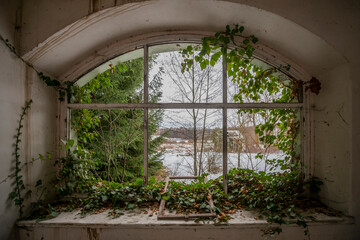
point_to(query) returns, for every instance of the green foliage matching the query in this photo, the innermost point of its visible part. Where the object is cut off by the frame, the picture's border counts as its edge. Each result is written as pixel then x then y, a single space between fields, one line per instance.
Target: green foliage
pixel 219 45
pixel 123 196
pixel 314 184
pixel 188 198
pixel 279 128
pixel 115 138
pixel 21 190
pixel 275 196
pixel 75 170
pixel 16 195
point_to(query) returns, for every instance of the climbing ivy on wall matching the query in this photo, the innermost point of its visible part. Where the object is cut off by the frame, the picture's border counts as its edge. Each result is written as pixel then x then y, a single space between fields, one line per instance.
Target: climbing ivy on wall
pixel 17 194
pixel 62 88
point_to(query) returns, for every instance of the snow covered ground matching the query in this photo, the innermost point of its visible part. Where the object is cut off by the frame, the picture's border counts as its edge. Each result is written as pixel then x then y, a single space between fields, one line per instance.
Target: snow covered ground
pixel 179 162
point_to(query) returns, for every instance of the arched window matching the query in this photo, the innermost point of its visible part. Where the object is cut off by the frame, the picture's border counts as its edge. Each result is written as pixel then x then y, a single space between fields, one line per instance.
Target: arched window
pixel 142 115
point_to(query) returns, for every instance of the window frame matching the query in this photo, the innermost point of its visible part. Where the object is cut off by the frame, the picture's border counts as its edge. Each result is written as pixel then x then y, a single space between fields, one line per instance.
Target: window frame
pixel 224 105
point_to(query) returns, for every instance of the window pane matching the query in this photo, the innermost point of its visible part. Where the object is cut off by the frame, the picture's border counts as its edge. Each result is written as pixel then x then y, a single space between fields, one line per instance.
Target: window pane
pixel 263 140
pixel 194 86
pixel 255 85
pixel 119 80
pixel 114 140
pixel 192 142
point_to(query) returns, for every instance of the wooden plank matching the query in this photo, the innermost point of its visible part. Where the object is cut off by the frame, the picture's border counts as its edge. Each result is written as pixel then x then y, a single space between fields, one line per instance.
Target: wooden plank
pixel 162 203
pixel 166 184
pixel 211 202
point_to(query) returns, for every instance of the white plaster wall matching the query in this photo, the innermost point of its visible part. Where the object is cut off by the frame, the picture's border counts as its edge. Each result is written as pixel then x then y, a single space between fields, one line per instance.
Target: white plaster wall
pixel 12 98
pixel 42 135
pixel 17 85
pixel 332 134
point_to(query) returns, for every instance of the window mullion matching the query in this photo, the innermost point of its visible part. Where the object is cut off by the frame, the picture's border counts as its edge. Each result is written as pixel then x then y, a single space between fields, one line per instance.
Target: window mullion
pixel 146 109
pixel 225 157
pixel 183 105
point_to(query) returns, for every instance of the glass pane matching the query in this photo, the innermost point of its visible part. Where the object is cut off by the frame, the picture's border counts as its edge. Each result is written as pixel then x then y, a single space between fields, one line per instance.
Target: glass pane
pixel 255 85
pixel 191 142
pixel 167 79
pixel 114 140
pixel 119 80
pixel 263 140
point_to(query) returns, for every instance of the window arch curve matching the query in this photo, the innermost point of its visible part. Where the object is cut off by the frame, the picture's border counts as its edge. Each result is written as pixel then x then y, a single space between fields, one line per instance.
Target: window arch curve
pixel 159 46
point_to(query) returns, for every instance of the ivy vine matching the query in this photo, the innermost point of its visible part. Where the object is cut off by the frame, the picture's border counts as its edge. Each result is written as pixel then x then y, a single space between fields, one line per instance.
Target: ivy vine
pixel 62 88
pixel 17 195
pixel 280 128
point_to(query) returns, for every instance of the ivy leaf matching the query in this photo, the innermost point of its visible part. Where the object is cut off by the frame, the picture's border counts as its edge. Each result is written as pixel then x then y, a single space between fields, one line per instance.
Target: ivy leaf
pixel 54 214
pixel 13 195
pixel 38 183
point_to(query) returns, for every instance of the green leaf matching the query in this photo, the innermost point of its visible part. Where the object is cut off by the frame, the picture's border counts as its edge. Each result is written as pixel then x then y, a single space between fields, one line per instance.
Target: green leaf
pixel 104 198
pixel 54 214
pixel 131 206
pixel 13 195
pixel 71 142
pixel 38 183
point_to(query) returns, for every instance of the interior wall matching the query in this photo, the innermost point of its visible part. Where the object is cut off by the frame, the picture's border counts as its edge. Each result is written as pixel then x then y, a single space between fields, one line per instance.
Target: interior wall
pixel 19 84
pixel 12 98
pixel 332 162
pixel 321 36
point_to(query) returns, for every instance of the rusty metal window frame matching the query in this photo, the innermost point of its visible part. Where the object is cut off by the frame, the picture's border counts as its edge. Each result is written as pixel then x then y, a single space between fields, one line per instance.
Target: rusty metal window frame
pixel 146 106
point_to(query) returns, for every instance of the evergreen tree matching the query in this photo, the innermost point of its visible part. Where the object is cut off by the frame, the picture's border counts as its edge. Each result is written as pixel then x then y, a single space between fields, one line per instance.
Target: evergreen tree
pixel 116 137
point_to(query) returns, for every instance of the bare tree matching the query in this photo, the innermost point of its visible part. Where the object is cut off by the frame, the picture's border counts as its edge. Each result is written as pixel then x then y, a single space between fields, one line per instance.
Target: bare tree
pixel 194 86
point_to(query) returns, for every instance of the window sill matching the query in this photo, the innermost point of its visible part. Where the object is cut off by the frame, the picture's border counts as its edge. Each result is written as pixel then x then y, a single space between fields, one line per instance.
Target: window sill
pixel 137 218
